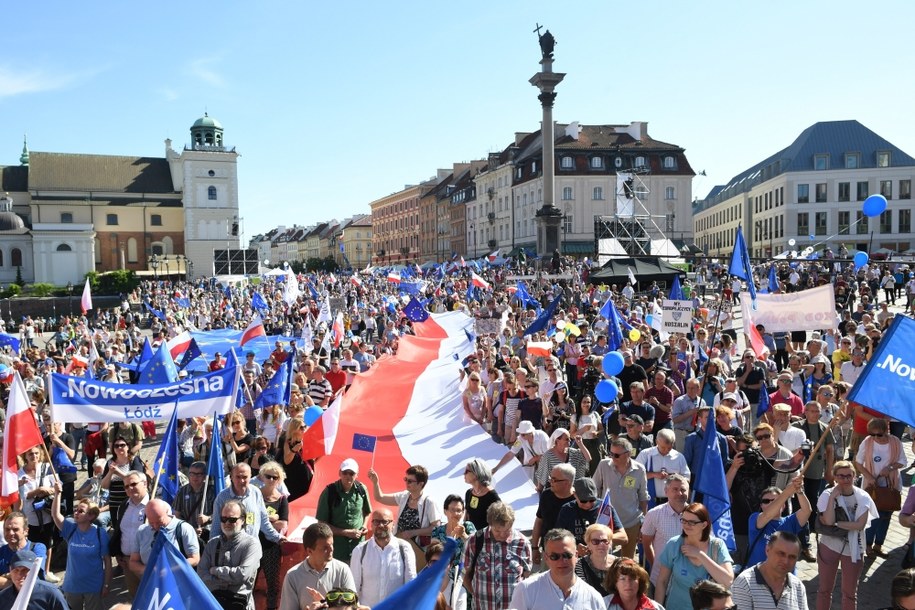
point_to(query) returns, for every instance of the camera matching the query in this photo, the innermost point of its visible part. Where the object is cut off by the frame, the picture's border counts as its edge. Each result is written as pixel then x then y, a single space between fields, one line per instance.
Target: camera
pixel 806 448
pixel 752 459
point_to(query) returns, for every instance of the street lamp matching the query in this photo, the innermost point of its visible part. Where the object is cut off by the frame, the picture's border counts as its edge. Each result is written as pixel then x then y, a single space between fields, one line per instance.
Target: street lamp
pixel 189 268
pixel 70 297
pixel 154 263
pixel 167 272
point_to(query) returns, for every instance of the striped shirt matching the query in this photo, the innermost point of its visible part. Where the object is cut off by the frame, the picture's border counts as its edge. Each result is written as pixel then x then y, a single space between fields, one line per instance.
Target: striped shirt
pixel 498 567
pixel 751 592
pixel 662 523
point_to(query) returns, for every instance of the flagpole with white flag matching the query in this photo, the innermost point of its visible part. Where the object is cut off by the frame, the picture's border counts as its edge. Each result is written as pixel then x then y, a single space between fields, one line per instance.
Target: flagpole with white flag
pixel 86 300
pixel 25 593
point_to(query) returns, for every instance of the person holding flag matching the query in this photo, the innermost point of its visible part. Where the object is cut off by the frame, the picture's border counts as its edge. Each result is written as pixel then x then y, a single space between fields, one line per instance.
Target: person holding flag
pixel 417 513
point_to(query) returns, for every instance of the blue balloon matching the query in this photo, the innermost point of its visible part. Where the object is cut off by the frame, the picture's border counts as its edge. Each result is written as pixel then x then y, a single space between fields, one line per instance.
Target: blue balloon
pixel 613 363
pixel 606 391
pixel 313 414
pixel 874 205
pixel 861 259
pixel 812 237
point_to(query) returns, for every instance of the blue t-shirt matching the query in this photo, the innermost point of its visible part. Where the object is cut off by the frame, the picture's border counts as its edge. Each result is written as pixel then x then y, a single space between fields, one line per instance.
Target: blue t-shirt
pixel 683 574
pixel 85 567
pixel 782 524
pixel 6 554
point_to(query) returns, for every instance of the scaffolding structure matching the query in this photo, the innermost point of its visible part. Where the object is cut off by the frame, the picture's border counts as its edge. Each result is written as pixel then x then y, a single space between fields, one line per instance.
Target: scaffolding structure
pixel 632 230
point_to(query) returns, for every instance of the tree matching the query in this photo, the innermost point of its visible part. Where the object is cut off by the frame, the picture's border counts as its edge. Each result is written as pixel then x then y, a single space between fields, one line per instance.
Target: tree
pixel 19 281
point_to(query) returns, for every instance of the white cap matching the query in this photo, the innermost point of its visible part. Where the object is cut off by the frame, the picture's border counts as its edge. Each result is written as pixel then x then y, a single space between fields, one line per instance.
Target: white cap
pixel 349 464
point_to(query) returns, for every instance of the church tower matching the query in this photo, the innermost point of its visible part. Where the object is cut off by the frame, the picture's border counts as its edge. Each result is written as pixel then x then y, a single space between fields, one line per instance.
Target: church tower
pixel 205 172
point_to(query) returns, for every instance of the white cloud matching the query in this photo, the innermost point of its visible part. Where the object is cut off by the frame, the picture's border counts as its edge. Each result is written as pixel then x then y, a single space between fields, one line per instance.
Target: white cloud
pixel 168 94
pixel 18 82
pixel 201 68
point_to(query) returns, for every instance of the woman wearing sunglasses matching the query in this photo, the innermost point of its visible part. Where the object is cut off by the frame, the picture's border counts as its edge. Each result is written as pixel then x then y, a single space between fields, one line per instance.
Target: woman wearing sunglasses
pixel 271 476
pixel 690 557
pixel 118 466
pixel 879 459
pixel 417 514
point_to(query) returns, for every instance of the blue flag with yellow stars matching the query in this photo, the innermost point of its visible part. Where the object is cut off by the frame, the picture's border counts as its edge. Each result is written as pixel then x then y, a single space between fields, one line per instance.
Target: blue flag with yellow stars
pixel 166 464
pixel 275 390
pixel 159 369
pixel 215 466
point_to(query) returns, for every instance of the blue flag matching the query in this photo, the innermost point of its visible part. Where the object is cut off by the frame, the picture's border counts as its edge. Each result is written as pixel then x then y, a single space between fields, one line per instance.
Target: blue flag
pixel 676 293
pixel 167 460
pixel 11 341
pixel 170 582
pixel 544 318
pixel 763 405
pixel 61 461
pixel 227 292
pixel 258 302
pixel 364 442
pixel 193 351
pixel 887 382
pixel 808 388
pixel 421 593
pixel 773 280
pixel 525 297
pixel 740 264
pixel 275 390
pixel 714 487
pixel 154 311
pixel 182 302
pixel 415 311
pixel 160 368
pixel 146 354
pixel 314 293
pixel 614 333
pixel 471 292
pixel 215 466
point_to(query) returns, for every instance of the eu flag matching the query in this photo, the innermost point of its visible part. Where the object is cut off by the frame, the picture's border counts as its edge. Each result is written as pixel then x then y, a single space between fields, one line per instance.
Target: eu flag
pixel 182 302
pixel 364 442
pixel 215 467
pixel 11 341
pixel 740 264
pixel 154 311
pixel 275 390
pixel 258 302
pixel 544 318
pixel 415 311
pixel 763 405
pixel 714 488
pixel 146 354
pixel 887 382
pixel 166 464
pixel 160 368
pixel 676 293
pixel 614 333
pixel 170 582
pixel 193 351
pixel 421 593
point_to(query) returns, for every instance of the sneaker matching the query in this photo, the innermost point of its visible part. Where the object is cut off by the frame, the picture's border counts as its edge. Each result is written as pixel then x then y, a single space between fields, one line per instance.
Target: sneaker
pixel 807 556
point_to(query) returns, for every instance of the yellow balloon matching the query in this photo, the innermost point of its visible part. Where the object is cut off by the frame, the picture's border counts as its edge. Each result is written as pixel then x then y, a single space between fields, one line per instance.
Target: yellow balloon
pixel 634 334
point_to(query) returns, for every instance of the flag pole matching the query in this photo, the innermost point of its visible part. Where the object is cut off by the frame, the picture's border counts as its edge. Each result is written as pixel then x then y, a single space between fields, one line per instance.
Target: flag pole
pixel 832 423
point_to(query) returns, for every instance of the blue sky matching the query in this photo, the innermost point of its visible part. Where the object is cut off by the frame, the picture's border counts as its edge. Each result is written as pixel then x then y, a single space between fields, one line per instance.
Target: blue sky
pixel 332 105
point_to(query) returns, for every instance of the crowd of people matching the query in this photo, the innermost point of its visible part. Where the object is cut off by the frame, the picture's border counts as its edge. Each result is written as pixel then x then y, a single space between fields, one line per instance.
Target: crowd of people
pixel 814 478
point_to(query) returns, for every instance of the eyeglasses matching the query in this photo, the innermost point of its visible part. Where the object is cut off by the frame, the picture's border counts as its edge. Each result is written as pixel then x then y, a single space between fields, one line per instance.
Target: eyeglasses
pixel 558 556
pixel 272 477
pixel 527 385
pixel 591 501
pixel 79 511
pixel 877 434
pixel 690 522
pixel 599 541
pixel 845 477
pixel 194 473
pixel 828 394
pixel 382 521
pixel 763 437
pixel 766 501
pixel 618 455
pixel 347 597
pixel 232 520
pixel 409 481
pixel 236 423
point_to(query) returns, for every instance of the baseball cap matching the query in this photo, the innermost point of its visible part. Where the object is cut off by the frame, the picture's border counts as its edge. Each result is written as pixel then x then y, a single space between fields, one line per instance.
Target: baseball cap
pixel 349 464
pixel 23 559
pixel 636 419
pixel 729 396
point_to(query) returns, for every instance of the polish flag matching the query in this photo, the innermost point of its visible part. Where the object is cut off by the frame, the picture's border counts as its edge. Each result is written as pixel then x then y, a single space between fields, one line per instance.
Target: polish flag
pixel 86 300
pixel 756 341
pixel 540 348
pixel 337 329
pixel 178 345
pixel 255 329
pixel 422 414
pixel 77 361
pixel 492 257
pixel 393 276
pixel 319 439
pixel 463 264
pixel 356 281
pixel 21 434
pixel 478 281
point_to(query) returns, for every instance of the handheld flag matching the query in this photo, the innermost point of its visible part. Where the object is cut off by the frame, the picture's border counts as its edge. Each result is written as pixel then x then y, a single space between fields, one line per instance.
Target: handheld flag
pixel 632 276
pixel 763 405
pixel 421 593
pixel 394 277
pixel 182 302
pixel 415 311
pixel 61 461
pixel 773 280
pixel 166 464
pixel 154 311
pixel 255 329
pixel 11 341
pixel 193 351
pixel 478 281
pixel 86 300
pixel 324 314
pixel 714 488
pixel 319 439
pixel 676 293
pixel 544 318
pixel 614 333
pixel 215 467
pixel 887 382
pixel 275 389
pixel 740 264
pixel 178 344
pixel 291 292
pixel 258 302
pixel 159 369
pixel 146 354
pixel 364 442
pixel 24 596
pixel 605 512
pixel 20 434
pixel 170 582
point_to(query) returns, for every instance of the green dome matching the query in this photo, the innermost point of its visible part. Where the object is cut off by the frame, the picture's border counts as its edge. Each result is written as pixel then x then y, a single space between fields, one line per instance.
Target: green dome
pixel 206 121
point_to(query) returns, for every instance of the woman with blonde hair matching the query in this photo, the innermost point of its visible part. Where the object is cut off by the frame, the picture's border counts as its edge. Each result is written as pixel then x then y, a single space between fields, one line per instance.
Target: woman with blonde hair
pixel 879 459
pixel 237 437
pixel 270 423
pixel 289 454
pixel 272 477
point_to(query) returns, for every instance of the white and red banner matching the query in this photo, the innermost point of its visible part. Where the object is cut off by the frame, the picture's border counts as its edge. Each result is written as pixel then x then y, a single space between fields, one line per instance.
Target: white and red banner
pixel 422 422
pixel 812 309
pixel 478 281
pixel 255 329
pixel 86 300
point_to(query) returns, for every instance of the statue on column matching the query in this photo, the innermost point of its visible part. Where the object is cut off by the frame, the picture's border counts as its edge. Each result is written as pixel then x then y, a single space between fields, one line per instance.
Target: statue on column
pixel 547 42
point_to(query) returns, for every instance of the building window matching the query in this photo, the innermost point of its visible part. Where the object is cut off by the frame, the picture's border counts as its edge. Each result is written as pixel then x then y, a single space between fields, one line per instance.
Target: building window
pixel 534 167
pixel 211 193
pixel 670 193
pixel 863 190
pixel 905 221
pixel 821 162
pixel 886 188
pixel 844 191
pixel 905 189
pixel 567 193
pixel 860 223
pixel 567 224
pixel 844 222
pixel 803 223
pixel 131 250
pixel 597 162
pixel 66 217
pixel 886 221
pixel 852 160
pixel 16 254
pixel 822 223
pixel 567 163
pixel 156 220
pixel 640 162
pixel 598 194
pixel 670 163
pixel 803 193
pixel 821 192
pixel 112 219
pixel 883 158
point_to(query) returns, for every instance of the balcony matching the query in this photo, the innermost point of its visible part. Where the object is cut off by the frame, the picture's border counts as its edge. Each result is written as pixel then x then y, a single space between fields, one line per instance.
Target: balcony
pixel 491 191
pixel 492 243
pixel 491 217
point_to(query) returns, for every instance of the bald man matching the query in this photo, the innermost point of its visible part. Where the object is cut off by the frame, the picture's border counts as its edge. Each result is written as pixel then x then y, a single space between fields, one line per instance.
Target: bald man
pixel 383 563
pixel 159 519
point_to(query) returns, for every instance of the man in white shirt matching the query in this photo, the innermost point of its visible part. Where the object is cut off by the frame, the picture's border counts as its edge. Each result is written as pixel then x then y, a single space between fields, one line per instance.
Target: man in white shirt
pixel 851 370
pixel 558 588
pixel 663 521
pixel 382 564
pixel 789 437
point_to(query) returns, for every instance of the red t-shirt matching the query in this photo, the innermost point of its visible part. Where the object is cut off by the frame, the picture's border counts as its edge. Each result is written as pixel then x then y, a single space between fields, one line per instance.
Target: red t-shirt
pixel 860 426
pixel 337 380
pixel 793 401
